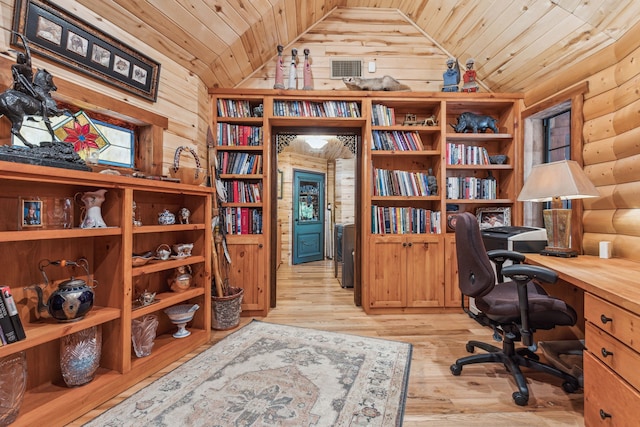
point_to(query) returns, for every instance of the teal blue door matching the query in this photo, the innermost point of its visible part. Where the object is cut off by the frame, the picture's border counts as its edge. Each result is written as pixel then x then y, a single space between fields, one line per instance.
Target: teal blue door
pixel 308 217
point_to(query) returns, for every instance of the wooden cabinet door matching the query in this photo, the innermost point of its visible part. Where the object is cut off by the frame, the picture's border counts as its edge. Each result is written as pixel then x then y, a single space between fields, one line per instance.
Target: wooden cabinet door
pixel 247 271
pixel 452 294
pixel 387 271
pixel 425 272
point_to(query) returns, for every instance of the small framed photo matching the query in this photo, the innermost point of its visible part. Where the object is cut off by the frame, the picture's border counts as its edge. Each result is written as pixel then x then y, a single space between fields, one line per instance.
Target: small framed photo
pixel 493 217
pixel 31 213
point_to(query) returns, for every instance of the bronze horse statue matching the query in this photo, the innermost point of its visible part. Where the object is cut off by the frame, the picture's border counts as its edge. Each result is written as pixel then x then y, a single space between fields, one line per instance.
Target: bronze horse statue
pixel 16 105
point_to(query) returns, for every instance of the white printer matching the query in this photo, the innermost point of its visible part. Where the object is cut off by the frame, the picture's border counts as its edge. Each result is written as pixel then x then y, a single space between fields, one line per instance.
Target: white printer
pixel 519 239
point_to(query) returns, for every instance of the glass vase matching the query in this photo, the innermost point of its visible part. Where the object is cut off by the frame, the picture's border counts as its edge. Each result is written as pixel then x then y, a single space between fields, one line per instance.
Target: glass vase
pixel 143 333
pixel 80 355
pixel 13 382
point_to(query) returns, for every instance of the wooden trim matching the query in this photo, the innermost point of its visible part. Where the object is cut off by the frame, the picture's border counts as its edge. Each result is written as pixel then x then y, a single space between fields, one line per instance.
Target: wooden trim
pixel 560 97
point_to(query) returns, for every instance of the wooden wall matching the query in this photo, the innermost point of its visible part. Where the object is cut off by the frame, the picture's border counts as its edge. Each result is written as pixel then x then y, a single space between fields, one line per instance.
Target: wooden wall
pixel 611 134
pixel 383 36
pixel 182 97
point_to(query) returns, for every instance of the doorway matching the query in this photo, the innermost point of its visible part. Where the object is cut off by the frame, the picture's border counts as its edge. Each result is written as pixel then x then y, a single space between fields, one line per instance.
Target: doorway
pixel 308 217
pixel 338 162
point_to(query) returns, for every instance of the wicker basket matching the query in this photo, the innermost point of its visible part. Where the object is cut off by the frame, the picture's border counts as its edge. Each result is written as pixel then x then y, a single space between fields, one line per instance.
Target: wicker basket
pixel 225 311
pixel 193 176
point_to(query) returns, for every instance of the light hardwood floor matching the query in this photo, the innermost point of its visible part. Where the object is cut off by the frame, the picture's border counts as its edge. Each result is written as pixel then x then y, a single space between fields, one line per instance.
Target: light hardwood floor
pixel 310 296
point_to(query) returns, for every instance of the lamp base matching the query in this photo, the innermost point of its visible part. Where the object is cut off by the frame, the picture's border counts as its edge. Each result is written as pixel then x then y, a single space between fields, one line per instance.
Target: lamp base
pixel 559 252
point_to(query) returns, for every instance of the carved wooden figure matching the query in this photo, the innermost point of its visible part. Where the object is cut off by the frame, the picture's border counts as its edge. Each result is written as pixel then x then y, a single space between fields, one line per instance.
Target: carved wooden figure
pixel 279 69
pixel 306 73
pixel 293 70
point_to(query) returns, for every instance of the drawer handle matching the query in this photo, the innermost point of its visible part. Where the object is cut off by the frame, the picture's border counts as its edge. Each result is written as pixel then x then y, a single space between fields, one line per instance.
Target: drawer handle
pixel 605 352
pixel 604 415
pixel 604 319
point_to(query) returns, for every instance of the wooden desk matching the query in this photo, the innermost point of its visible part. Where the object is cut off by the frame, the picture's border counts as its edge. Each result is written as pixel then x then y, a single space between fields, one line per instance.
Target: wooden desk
pixel 611 298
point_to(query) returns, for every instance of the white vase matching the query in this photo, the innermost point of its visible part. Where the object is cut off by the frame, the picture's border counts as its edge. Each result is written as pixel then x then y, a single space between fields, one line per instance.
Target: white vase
pixel 93 204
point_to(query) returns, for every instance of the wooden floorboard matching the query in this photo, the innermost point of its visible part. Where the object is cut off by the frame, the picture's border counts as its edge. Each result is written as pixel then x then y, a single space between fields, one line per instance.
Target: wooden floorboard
pixel 310 296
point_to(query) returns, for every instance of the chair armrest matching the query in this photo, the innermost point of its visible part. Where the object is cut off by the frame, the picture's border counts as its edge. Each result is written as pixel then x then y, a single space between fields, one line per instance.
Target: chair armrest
pixel 522 274
pixel 525 272
pixel 501 255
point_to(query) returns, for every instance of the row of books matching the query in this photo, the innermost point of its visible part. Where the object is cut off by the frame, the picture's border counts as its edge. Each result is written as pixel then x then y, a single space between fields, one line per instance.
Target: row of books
pixel 243 192
pixel 404 220
pixel 396 140
pixel 238 163
pixel 381 115
pixel 234 108
pixel 470 187
pixel 242 135
pixel 242 220
pixel 11 328
pixel 402 183
pixel 316 109
pixel 461 154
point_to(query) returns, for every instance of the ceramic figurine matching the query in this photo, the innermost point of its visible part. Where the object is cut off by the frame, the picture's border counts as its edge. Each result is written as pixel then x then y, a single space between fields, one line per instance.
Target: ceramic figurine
pixel 469 78
pixel 451 77
pixel 184 215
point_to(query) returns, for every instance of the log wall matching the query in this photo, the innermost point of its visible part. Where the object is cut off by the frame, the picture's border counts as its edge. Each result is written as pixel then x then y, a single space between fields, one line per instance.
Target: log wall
pixel 611 143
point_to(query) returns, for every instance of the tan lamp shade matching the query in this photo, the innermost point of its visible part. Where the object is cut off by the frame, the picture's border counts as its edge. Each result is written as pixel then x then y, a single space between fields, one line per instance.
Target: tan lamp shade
pixel 555 182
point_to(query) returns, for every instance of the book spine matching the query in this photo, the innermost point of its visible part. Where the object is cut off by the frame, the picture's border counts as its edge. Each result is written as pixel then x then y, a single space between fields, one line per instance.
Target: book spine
pixel 6 324
pixel 12 309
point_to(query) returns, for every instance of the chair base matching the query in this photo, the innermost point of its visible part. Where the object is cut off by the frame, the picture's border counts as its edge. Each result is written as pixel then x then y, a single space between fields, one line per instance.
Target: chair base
pixel 513 359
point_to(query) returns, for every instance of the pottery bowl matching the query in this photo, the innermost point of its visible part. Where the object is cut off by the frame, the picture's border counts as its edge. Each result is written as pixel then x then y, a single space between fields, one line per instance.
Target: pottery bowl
pixel 182 313
pixel 498 159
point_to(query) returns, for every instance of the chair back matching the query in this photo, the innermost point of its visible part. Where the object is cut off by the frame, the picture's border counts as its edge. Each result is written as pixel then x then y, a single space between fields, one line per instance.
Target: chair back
pixel 475 273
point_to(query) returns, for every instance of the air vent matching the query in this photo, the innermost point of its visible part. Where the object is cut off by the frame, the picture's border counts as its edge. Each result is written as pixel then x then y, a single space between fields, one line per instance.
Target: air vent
pixel 346 68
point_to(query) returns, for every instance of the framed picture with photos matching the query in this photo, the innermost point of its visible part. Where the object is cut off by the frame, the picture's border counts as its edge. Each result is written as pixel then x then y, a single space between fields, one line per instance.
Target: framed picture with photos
pixel 31 213
pixel 56 34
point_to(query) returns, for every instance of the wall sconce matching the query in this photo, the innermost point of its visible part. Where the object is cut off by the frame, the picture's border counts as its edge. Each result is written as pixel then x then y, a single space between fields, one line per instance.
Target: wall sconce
pixel 554 182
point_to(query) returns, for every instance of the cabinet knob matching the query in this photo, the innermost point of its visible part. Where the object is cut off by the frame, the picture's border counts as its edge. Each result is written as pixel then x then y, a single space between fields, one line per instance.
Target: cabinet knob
pixel 410 244
pixel 404 244
pixel 260 245
pixel 604 319
pixel 606 352
pixel 604 415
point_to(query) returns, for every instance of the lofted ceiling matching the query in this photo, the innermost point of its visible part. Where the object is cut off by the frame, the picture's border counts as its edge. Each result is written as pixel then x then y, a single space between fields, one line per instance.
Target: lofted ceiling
pixel 516 43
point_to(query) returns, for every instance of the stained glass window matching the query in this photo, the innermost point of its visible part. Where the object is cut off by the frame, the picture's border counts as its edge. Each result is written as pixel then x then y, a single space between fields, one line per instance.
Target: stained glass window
pixel 115 145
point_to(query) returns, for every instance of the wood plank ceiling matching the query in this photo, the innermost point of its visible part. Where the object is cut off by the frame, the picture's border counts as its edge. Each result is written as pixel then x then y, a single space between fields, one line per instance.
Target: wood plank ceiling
pixel 516 43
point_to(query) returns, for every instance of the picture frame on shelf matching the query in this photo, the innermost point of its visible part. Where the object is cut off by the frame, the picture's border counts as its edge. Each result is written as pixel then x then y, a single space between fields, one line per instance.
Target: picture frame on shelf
pixel 31 213
pixel 493 217
pixel 56 34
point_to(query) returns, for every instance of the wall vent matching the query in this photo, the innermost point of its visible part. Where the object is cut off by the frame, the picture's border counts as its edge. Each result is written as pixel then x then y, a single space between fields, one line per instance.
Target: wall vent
pixel 346 68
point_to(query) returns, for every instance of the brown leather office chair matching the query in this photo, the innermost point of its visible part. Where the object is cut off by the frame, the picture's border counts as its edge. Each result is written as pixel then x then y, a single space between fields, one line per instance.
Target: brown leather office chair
pixel 515 309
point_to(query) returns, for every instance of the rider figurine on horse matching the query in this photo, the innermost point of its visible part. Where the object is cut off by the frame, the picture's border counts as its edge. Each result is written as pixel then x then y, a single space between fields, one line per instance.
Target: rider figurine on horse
pixel 29 96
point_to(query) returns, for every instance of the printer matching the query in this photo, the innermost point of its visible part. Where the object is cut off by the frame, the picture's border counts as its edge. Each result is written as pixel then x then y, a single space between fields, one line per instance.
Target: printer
pixel 519 239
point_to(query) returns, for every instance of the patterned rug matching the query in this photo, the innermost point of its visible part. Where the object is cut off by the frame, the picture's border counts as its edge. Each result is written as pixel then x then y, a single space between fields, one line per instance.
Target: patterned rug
pixel 273 375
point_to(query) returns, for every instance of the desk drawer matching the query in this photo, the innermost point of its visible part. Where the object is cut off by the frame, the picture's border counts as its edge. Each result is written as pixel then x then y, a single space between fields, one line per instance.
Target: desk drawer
pixel 616 321
pixel 608 399
pixel 617 356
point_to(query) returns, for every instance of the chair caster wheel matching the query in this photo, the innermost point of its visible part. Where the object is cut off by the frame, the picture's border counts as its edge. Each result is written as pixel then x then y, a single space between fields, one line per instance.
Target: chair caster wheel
pixel 470 348
pixel 455 369
pixel 570 387
pixel 520 399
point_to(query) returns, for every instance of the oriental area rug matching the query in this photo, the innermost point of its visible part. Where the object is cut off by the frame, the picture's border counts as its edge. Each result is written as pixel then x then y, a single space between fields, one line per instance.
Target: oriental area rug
pixel 272 375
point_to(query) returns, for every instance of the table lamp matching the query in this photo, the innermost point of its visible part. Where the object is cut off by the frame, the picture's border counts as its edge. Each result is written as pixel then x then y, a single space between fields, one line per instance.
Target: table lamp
pixel 554 182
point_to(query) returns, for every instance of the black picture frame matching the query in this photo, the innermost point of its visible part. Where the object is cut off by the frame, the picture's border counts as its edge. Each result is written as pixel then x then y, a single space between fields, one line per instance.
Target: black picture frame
pixel 55 34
